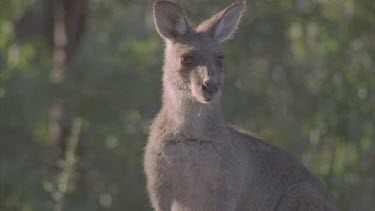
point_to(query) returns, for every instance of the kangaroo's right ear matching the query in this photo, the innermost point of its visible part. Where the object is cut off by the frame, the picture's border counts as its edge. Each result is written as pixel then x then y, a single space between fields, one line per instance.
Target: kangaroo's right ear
pixel 170 20
pixel 224 24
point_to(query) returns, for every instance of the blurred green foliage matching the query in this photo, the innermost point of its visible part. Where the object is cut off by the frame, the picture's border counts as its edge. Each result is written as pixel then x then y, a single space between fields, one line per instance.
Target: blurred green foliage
pixel 300 73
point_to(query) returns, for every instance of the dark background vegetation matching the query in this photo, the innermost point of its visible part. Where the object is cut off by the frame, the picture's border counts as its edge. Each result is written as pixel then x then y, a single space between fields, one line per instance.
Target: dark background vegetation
pixel 80 83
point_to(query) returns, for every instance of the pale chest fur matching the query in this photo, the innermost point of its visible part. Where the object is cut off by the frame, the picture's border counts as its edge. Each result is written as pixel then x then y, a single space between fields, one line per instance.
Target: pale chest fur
pixel 194 167
pixel 197 172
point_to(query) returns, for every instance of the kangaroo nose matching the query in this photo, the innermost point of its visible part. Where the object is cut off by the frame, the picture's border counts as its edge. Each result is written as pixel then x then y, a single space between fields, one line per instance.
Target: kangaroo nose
pixel 209 87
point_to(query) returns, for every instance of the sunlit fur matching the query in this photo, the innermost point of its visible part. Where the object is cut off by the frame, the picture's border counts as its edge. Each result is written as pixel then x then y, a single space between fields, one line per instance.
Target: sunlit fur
pixel 193 160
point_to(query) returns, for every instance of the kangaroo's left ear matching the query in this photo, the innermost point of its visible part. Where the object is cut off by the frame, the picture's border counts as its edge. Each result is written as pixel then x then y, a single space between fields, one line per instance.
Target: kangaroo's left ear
pixel 170 20
pixel 223 25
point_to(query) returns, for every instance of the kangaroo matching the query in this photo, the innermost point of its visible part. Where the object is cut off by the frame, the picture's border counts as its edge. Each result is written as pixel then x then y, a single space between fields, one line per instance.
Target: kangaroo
pixel 193 161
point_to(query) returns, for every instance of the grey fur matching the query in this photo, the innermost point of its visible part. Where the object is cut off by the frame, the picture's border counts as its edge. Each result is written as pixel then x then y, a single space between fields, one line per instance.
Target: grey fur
pixel 193 160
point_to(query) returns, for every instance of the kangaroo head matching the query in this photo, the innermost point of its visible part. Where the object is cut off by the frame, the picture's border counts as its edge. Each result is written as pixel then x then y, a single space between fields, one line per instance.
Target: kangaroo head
pixel 193 56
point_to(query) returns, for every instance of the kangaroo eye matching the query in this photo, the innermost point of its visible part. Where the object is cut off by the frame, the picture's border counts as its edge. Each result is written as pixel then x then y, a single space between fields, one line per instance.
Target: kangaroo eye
pixel 187 59
pixel 220 59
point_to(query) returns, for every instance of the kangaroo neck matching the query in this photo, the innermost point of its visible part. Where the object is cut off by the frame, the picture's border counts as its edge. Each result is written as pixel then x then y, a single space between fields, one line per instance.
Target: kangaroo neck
pixel 188 116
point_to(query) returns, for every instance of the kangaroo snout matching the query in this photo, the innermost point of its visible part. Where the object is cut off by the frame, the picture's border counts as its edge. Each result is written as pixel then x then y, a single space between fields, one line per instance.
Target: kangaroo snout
pixel 210 86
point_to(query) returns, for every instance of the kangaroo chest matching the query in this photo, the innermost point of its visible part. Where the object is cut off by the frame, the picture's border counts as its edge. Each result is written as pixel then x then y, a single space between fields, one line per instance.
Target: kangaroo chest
pixel 195 169
pixel 192 163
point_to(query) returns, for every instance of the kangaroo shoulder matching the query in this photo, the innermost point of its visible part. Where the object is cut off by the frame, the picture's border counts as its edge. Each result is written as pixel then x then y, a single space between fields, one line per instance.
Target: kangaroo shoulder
pixel 305 197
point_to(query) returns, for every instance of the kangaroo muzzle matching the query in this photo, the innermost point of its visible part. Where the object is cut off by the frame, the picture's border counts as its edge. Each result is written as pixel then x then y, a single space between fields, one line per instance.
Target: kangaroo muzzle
pixel 210 87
